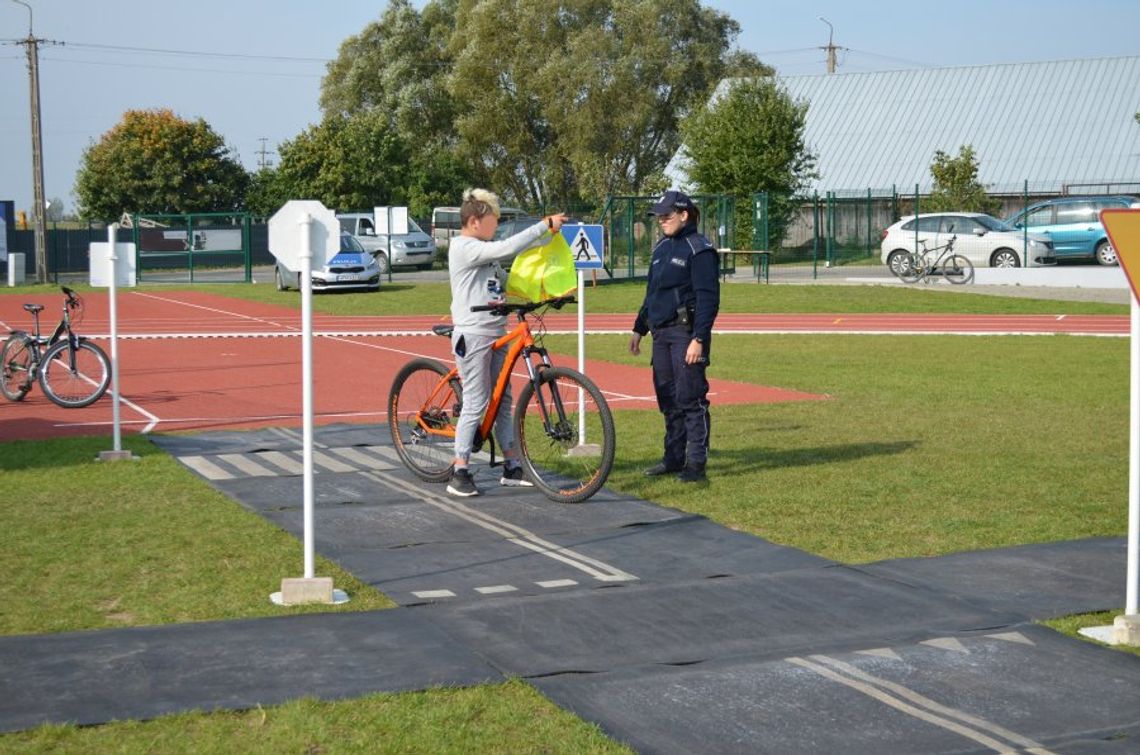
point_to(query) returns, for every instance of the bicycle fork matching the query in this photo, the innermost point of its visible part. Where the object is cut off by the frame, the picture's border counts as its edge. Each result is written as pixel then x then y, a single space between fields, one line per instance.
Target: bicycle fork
pixel 559 428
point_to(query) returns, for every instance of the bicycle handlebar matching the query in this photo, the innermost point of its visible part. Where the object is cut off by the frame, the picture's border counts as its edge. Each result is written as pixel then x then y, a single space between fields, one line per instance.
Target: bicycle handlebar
pixel 72 299
pixel 505 308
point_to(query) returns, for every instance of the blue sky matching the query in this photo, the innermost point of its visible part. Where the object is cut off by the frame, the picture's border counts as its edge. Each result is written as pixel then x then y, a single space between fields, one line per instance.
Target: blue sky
pixel 254 66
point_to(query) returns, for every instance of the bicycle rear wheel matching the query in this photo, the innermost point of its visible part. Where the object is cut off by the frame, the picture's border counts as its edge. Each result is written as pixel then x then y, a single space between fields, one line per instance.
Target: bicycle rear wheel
pixel 16 367
pixel 548 426
pixel 957 269
pixel 423 409
pixel 75 377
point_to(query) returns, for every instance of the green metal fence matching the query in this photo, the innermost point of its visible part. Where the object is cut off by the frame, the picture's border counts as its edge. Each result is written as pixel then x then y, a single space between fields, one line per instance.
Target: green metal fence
pixel 209 247
pixel 631 234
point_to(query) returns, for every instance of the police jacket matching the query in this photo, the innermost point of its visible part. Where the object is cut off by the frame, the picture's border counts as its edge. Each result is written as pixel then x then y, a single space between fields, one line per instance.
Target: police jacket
pixel 682 274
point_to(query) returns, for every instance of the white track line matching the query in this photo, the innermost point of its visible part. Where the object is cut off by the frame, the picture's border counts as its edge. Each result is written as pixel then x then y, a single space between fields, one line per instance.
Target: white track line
pixel 210 309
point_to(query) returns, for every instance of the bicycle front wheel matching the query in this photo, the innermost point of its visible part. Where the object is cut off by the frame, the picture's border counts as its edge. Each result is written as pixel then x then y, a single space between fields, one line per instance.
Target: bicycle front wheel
pixel 16 367
pixel 565 434
pixel 75 377
pixel 958 269
pixel 914 270
pixel 423 409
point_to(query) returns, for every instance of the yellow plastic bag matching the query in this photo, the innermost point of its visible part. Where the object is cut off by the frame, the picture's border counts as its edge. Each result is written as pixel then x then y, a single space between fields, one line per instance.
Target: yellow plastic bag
pixel 543 272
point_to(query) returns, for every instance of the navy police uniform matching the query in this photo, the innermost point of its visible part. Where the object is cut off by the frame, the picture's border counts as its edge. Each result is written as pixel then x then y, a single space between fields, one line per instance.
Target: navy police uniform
pixel 682 298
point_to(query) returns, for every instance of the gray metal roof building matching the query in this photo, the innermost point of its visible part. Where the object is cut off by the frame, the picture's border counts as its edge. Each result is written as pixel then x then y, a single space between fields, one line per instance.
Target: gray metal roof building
pixel 1056 124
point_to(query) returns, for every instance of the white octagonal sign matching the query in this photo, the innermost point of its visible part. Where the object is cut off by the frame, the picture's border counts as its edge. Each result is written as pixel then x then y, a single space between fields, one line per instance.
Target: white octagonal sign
pixel 287 233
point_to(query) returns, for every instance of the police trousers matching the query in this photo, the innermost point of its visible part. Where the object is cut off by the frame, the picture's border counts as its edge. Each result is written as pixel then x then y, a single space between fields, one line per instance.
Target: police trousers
pixel 682 396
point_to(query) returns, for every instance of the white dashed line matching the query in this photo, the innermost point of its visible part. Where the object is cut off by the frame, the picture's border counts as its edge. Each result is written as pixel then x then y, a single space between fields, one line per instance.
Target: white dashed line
pixel 495 589
pixel 426 594
pixel 557 583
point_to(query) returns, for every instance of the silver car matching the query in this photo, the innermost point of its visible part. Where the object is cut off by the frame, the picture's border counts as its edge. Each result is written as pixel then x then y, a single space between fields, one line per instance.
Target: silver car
pixel 353 268
pixel 983 239
pixel 412 249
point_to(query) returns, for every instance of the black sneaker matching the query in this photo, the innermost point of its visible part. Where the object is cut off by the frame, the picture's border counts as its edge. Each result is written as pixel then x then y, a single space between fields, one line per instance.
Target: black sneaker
pixel 661 468
pixel 692 473
pixel 514 477
pixel 461 483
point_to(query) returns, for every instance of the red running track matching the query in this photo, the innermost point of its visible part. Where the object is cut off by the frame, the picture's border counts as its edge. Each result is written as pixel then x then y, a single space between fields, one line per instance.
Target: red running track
pixel 188 362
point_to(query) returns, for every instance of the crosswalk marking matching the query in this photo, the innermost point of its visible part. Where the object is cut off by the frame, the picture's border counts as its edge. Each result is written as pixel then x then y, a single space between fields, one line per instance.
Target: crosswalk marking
pixel 433 594
pixel 495 589
pixel 284 461
pixel 207 469
pixel 331 464
pixel 247 465
pixel 344 460
pixel 361 459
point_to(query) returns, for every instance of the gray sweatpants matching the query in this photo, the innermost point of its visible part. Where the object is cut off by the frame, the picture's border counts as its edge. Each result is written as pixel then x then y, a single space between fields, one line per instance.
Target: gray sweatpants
pixel 479 366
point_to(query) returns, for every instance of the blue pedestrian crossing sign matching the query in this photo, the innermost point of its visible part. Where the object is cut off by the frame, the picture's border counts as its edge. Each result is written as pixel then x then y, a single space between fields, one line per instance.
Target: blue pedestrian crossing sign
pixel 586 245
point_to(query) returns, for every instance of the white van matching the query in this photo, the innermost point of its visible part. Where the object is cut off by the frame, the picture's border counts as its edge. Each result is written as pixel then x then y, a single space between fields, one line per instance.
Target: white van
pixel 445 222
pixel 414 248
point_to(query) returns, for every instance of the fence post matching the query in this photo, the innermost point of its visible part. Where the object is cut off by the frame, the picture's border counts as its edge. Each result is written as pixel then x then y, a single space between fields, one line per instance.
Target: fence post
pixel 870 233
pixel 815 235
pixel 1025 224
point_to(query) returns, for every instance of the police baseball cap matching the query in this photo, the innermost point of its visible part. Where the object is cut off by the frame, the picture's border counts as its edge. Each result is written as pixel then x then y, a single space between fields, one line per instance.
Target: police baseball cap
pixel 671 200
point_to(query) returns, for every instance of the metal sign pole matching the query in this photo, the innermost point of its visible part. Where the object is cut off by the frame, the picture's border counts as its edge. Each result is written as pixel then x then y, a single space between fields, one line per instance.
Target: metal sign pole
pixel 116 453
pixel 307 385
pixel 582 354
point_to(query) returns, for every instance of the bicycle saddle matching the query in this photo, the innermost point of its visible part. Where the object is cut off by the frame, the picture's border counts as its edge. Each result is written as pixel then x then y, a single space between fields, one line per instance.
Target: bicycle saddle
pixel 442 329
pixel 33 308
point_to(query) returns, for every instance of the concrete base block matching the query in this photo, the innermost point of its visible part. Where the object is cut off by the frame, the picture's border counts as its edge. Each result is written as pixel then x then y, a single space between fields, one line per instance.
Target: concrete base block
pixel 1127 628
pixel 296 590
pixel 585 449
pixel 117 456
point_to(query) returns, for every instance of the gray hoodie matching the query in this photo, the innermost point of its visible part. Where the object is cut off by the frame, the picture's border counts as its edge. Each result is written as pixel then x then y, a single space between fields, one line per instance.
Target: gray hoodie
pixel 477 278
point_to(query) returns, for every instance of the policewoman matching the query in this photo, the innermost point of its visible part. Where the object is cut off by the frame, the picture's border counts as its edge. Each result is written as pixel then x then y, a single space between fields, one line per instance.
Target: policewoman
pixel 682 298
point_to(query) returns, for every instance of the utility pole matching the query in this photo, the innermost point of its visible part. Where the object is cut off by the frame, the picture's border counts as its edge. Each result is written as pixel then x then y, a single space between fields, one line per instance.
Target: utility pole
pixel 262 154
pixel 831 48
pixel 31 45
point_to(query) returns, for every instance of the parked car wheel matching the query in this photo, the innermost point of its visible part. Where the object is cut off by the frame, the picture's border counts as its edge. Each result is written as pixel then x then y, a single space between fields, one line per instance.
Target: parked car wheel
pixel 382 261
pixel 1105 254
pixel 282 285
pixel 1005 258
pixel 424 267
pixel 899 261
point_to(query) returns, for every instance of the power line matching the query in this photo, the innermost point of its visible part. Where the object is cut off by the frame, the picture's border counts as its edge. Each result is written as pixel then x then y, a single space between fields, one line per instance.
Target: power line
pixel 182 68
pixel 196 53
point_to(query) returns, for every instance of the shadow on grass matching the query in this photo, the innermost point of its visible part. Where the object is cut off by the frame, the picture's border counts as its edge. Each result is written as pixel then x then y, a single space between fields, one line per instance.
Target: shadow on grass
pixel 60 453
pixel 742 461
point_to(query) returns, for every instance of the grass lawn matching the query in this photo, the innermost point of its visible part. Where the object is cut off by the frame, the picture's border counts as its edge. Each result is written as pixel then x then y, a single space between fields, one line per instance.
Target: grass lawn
pixel 925 445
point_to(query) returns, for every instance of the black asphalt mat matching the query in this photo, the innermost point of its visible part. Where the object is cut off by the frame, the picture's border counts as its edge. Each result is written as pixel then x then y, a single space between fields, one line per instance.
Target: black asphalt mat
pixel 672 632
pixel 1039 581
pixel 1020 687
pixel 94 677
pixel 776 614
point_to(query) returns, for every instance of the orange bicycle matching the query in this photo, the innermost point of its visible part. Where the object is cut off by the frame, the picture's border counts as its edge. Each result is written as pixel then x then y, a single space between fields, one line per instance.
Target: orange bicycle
pixel 563 425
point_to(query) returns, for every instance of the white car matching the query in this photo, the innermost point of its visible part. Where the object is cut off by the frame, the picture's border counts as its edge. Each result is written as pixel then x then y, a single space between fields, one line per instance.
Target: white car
pixel 983 239
pixel 352 268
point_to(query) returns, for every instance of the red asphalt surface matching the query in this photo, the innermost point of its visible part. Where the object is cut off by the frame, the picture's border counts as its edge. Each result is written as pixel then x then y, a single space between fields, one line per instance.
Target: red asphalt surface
pixel 192 361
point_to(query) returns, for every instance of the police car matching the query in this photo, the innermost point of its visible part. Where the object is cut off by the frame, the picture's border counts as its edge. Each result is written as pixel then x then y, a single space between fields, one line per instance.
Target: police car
pixel 353 268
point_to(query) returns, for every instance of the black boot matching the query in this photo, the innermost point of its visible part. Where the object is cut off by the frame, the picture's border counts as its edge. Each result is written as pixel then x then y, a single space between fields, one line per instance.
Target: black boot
pixel 692 473
pixel 661 468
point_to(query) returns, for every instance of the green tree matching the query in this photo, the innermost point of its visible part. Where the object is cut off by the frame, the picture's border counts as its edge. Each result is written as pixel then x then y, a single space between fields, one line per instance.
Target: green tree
pixel 956 185
pixel 154 161
pixel 346 162
pixel 750 138
pixel 582 96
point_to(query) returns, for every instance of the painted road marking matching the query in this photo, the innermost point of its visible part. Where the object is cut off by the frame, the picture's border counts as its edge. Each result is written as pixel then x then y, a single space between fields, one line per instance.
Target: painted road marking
pixel 430 594
pixel 512 533
pixel 331 464
pixel 495 589
pixel 551 583
pixel 247 465
pixel 880 653
pixel 362 460
pixel 947 643
pixel 285 462
pixel 207 469
pixel 919 707
pixel 1017 637
pixel 935 707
